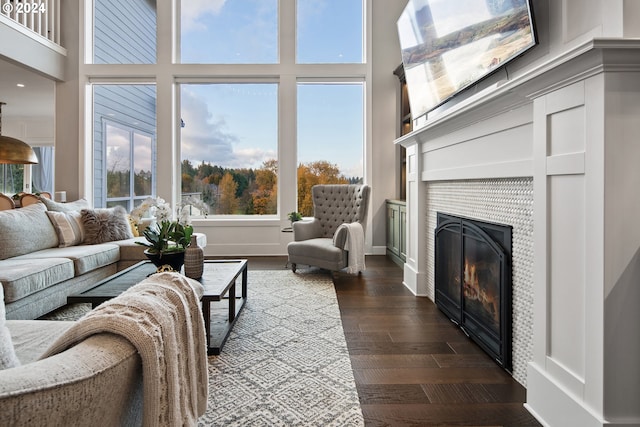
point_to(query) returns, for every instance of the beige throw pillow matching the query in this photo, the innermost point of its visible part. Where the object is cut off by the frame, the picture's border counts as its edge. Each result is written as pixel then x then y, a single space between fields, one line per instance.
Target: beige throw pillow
pixel 105 225
pixel 68 226
pixel 25 230
pixel 65 207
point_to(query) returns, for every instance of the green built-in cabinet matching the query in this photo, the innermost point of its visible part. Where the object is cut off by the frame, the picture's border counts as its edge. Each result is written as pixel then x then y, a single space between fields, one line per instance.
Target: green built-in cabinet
pixel 396 231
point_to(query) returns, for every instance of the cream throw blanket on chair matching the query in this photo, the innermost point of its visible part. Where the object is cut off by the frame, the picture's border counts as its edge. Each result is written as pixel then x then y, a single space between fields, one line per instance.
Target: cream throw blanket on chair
pixel 355 245
pixel 162 318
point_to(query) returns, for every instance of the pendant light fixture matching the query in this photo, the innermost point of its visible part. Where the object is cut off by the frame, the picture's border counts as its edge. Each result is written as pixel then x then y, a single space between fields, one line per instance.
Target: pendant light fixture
pixel 14 151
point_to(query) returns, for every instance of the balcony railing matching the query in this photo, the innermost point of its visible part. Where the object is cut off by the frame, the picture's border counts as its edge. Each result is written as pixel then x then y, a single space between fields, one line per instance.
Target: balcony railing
pixel 40 16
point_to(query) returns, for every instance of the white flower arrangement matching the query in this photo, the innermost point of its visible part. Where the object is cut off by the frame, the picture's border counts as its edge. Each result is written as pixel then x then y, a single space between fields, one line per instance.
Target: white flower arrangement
pixel 158 208
pixel 184 209
pixel 152 207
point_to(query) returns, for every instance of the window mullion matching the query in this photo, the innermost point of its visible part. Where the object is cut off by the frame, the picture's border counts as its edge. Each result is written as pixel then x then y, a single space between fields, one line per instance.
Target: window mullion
pixel 132 167
pixel 287 32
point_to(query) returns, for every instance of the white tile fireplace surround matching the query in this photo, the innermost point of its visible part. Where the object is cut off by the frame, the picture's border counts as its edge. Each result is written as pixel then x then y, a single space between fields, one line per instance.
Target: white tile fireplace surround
pixel 504 201
pixel 553 152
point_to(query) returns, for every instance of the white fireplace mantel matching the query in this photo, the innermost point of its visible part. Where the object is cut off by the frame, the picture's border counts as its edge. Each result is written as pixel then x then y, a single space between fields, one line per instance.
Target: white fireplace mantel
pixel 572 123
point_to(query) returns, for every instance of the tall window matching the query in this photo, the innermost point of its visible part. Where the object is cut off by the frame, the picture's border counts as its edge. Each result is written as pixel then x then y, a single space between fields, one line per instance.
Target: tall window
pixel 256 84
pixel 229 147
pixel 11 179
pixel 128 165
pixel 236 32
pixel 329 31
pixel 330 138
pixel 124 144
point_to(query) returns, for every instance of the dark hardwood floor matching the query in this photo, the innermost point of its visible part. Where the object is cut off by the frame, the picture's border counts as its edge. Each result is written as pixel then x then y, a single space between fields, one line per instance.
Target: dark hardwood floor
pixel 411 365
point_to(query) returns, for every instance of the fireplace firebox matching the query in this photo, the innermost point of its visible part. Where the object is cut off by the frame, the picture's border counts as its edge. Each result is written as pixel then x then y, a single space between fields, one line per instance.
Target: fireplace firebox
pixel 473 281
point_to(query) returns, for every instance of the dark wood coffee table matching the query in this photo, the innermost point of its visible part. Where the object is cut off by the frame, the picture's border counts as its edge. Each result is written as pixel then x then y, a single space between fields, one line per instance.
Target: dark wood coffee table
pixel 219 281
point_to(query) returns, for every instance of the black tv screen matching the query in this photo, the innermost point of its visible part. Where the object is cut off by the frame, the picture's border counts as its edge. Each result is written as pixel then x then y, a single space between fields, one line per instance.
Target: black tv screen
pixel 448 45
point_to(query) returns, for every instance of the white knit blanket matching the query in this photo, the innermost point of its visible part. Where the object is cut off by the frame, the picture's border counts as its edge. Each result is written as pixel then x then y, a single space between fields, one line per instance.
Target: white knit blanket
pixel 162 318
pixel 355 245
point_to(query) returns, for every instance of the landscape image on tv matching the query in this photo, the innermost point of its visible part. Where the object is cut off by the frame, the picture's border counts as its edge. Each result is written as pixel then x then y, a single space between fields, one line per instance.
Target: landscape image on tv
pixel 447 45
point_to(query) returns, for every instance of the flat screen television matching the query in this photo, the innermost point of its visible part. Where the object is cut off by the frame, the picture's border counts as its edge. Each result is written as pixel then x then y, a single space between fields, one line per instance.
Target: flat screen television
pixel 448 45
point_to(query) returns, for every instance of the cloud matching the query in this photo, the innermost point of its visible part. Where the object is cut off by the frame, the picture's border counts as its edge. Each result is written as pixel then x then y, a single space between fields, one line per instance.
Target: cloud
pixel 207 138
pixel 204 138
pixel 194 10
pixel 252 157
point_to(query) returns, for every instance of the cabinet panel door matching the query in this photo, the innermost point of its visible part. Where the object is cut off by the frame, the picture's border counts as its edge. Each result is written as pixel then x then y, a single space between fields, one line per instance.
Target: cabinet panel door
pixel 402 230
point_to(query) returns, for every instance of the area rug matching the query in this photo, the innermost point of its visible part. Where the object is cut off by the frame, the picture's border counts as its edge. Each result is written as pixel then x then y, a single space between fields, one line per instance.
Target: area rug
pixel 286 361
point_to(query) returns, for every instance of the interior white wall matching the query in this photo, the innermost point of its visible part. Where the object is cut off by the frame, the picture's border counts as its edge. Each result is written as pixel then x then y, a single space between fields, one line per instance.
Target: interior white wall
pixel 69 160
pixel 35 131
pixel 621 249
pixel 385 161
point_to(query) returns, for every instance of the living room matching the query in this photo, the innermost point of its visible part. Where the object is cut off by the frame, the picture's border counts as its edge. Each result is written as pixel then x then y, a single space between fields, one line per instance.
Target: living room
pixel 561 114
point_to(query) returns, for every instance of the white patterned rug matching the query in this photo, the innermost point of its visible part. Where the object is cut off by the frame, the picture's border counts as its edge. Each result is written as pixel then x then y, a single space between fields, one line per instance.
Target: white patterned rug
pixel 286 361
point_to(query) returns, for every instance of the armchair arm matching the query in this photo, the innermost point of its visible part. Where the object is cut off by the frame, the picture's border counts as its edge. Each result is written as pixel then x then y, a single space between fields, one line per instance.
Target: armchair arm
pixel 340 236
pixel 98 381
pixel 305 230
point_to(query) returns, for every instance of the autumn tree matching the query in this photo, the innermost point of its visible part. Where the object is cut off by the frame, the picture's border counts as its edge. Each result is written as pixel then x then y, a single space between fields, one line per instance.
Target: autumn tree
pixel 265 195
pixel 313 173
pixel 227 189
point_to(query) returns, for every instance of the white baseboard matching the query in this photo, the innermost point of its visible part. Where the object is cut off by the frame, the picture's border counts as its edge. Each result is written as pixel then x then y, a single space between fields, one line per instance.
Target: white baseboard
pixel 552 405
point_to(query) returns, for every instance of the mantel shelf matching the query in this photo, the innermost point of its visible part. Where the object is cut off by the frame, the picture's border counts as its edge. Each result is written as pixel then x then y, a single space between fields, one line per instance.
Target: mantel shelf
pixel 587 59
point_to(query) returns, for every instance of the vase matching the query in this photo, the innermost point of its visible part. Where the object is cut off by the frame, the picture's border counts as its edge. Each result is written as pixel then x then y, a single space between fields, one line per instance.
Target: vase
pixel 174 260
pixel 193 259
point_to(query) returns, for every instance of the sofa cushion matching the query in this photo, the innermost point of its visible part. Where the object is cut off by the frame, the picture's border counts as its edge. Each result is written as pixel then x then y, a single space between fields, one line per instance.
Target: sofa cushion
pixel 22 277
pixel 31 338
pixel 321 248
pixel 77 205
pixel 25 230
pixel 68 226
pixel 85 257
pixel 8 358
pixel 130 251
pixel 105 225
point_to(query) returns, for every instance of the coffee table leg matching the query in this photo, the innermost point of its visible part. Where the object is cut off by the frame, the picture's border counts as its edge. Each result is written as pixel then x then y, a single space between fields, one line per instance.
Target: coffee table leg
pixel 244 282
pixel 232 302
pixel 206 314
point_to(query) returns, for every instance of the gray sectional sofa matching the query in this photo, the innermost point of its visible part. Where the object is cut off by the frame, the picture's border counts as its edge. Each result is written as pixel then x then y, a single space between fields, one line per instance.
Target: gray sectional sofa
pixel 37 275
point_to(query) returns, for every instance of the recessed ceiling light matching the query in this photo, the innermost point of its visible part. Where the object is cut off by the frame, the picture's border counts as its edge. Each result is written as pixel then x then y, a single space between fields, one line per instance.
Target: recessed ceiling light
pixel 20 85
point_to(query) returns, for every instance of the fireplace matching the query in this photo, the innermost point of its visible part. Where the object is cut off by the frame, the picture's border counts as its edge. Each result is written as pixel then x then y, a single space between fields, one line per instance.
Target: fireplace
pixel 473 281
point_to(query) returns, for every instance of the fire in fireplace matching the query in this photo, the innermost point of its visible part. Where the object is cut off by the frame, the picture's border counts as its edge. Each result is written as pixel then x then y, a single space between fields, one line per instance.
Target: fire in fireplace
pixel 473 281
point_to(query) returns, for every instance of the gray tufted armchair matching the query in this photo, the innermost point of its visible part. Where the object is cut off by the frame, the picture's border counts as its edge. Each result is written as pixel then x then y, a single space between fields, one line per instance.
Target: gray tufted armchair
pixel 316 242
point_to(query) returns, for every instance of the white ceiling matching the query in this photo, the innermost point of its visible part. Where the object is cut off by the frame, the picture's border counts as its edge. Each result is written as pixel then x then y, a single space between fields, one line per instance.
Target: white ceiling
pixel 35 99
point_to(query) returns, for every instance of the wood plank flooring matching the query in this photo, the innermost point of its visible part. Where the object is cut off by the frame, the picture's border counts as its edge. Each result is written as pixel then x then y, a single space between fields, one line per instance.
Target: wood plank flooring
pixel 412 366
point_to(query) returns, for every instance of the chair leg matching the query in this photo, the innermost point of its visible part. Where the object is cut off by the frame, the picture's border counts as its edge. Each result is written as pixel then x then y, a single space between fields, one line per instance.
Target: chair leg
pixel 293 267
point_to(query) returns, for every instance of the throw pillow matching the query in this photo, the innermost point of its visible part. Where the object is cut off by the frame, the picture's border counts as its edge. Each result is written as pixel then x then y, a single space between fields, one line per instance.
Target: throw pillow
pixel 68 226
pixel 25 230
pixel 134 226
pixel 65 207
pixel 8 358
pixel 105 225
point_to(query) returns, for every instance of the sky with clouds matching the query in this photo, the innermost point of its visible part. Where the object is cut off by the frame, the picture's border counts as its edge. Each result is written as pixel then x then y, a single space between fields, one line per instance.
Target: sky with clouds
pixel 216 116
